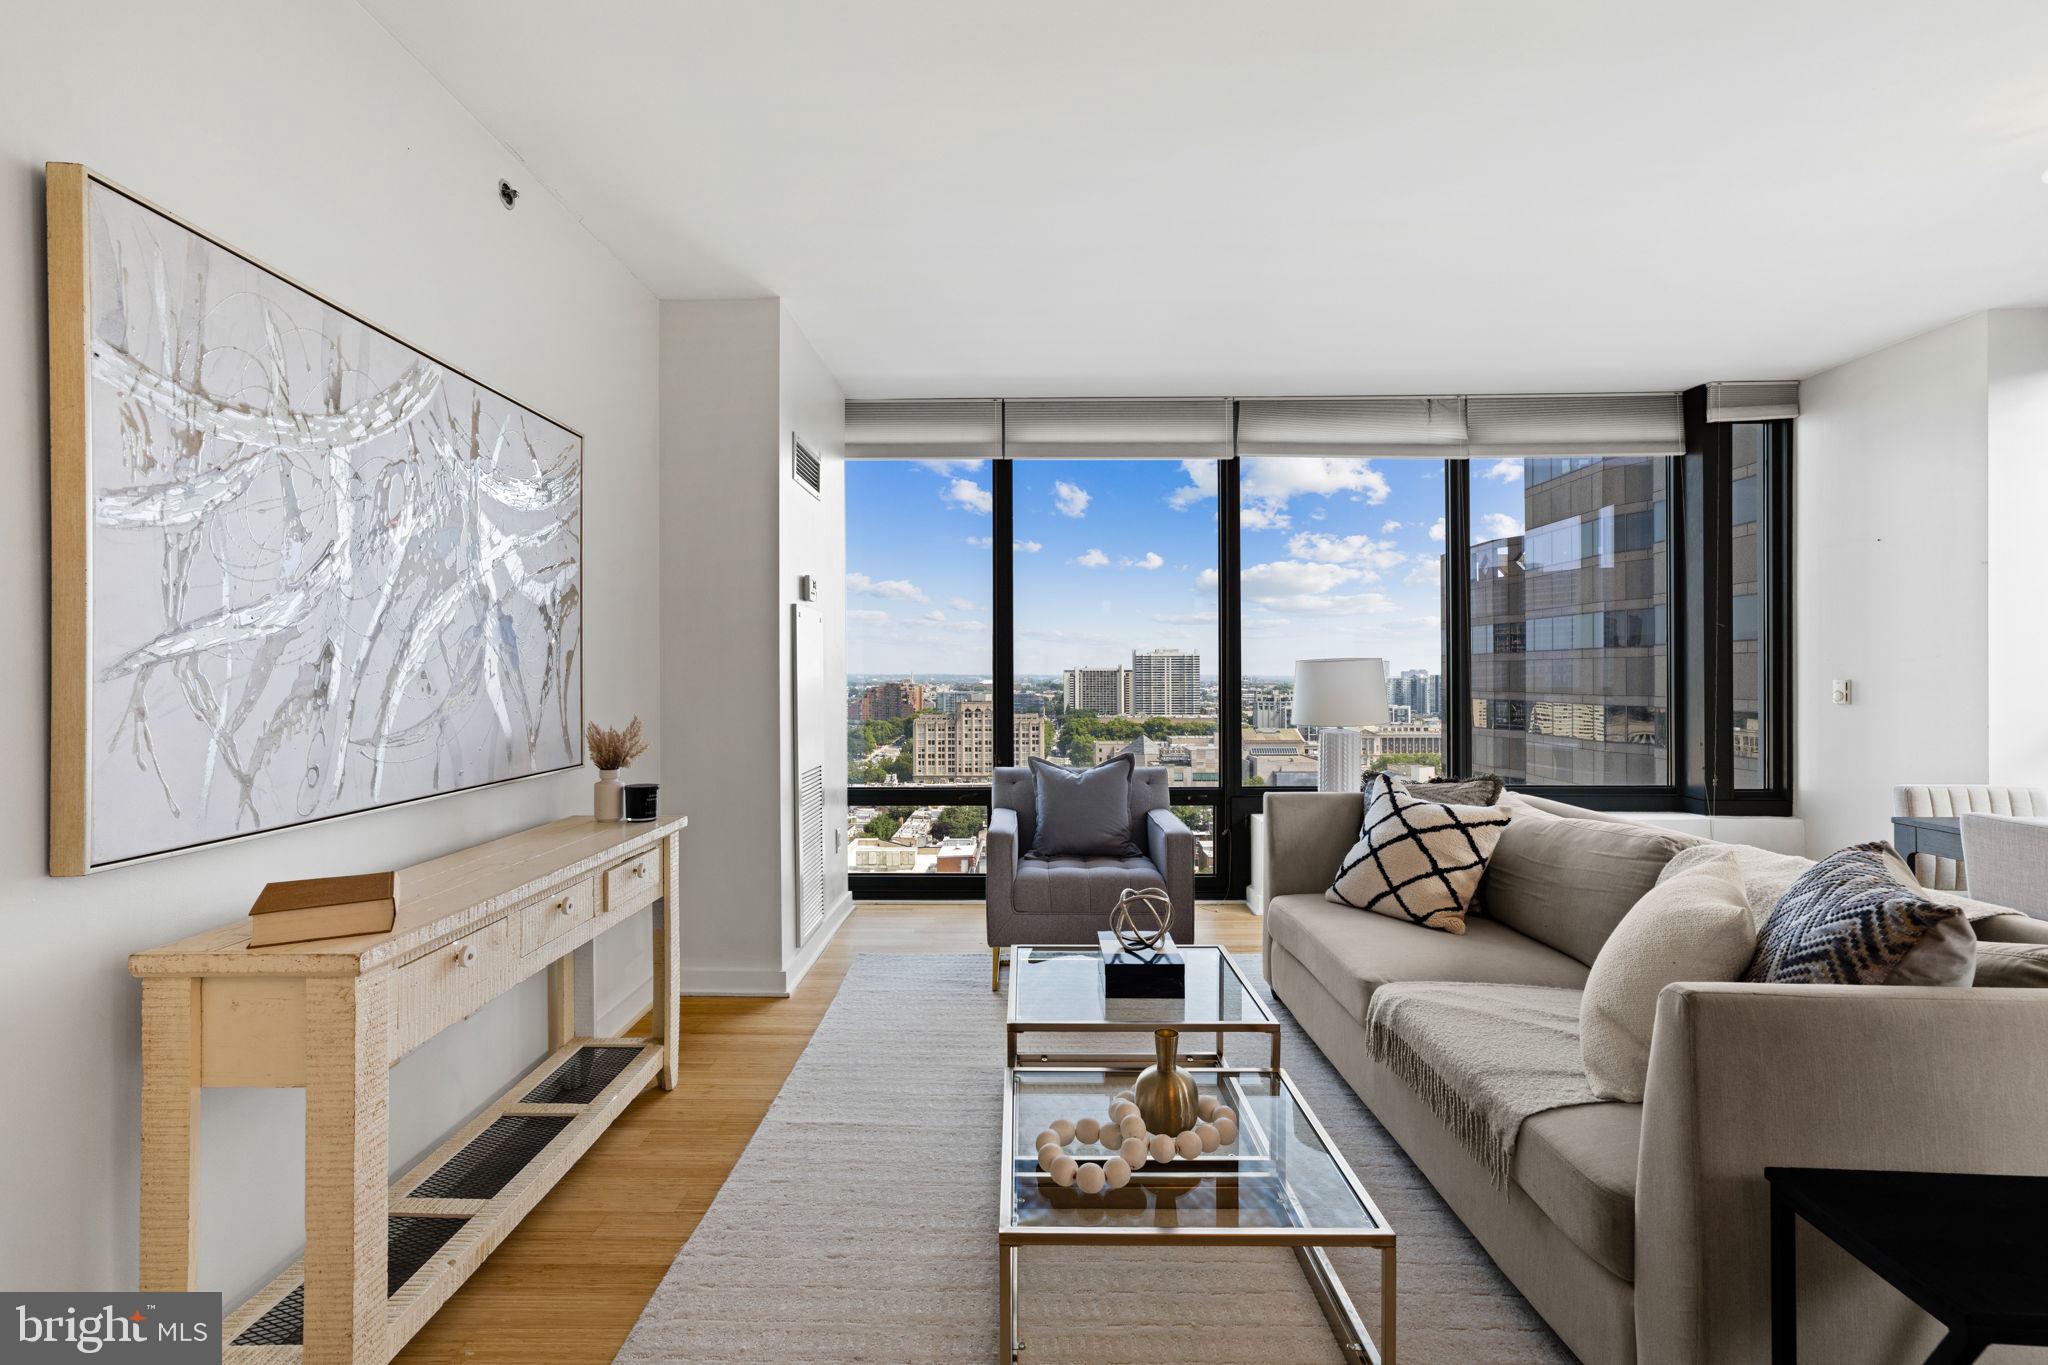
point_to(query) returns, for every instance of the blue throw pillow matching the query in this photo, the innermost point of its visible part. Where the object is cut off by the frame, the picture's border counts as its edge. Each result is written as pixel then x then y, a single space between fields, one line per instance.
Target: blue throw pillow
pixel 1854 918
pixel 1085 813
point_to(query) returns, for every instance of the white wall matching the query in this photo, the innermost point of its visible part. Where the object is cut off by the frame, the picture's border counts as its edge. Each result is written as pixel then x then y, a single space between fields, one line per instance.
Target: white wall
pixel 738 379
pixel 1922 482
pixel 2017 436
pixel 303 134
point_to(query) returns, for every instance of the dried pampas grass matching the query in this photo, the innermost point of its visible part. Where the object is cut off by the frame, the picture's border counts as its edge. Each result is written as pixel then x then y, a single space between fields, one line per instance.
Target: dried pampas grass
pixel 614 749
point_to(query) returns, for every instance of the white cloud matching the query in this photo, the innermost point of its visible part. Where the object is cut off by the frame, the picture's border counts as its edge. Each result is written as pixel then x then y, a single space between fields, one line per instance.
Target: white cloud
pixel 951 466
pixel 1185 618
pixel 1436 531
pixel 1325 548
pixel 981 542
pixel 1429 573
pixel 1028 547
pixel 896 589
pixel 968 494
pixel 1340 604
pixel 1286 577
pixel 1499 526
pixel 1149 561
pixel 1094 559
pixel 959 604
pixel 1505 471
pixel 864 617
pixel 1201 484
pixel 1070 499
pixel 1318 514
pixel 935 615
pixel 1262 517
pixel 1389 526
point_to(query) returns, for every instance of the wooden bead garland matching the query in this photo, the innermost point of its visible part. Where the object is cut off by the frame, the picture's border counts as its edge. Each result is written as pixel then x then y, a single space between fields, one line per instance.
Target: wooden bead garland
pixel 1124 1133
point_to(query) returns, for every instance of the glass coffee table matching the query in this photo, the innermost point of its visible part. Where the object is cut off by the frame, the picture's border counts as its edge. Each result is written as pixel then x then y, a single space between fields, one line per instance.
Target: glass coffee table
pixel 1282 1183
pixel 1059 990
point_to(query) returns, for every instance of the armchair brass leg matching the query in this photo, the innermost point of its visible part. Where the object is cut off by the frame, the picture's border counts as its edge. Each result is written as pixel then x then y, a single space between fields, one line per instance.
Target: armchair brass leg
pixel 995 968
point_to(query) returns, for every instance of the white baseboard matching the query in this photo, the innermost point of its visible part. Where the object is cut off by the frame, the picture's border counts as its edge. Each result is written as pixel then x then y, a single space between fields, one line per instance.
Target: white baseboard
pixel 734 981
pixel 807 956
pixel 625 1007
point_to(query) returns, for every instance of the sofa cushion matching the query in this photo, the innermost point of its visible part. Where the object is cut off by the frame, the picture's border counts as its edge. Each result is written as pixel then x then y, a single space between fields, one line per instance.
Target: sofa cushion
pixel 1567 882
pixel 1353 955
pixel 1417 860
pixel 1853 919
pixel 1078 886
pixel 1085 813
pixel 1578 1165
pixel 1693 925
pixel 1483 789
pixel 2023 965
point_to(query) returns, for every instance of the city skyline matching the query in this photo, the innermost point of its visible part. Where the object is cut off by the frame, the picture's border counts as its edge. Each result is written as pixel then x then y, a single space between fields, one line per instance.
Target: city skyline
pixel 1114 556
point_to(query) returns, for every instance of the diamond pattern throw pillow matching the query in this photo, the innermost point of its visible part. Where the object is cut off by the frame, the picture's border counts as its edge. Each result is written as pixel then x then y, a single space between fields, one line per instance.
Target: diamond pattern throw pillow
pixel 1849 920
pixel 1417 860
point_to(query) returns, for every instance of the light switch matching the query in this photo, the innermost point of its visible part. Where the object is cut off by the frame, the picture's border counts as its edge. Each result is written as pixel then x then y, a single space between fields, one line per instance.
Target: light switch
pixel 1841 692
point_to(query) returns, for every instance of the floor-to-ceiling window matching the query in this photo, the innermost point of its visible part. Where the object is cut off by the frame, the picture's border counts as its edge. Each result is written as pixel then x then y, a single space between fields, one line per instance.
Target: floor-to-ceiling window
pixel 1568 576
pixel 919 649
pixel 1100 592
pixel 1340 557
pixel 1115 634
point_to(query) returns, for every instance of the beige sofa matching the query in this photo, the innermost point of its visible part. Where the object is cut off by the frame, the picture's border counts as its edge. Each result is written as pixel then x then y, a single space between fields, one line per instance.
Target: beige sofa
pixel 1639 1231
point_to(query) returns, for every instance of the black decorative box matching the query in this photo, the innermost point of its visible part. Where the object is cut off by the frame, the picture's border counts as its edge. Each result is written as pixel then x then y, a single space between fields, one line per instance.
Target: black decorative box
pixel 1144 974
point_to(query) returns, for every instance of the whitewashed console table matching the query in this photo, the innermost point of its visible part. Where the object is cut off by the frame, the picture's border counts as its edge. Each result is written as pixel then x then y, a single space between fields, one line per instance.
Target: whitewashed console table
pixel 333 1017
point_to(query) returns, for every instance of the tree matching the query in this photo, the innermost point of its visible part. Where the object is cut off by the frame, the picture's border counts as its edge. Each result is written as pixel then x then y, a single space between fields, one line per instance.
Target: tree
pixel 883 826
pixel 959 822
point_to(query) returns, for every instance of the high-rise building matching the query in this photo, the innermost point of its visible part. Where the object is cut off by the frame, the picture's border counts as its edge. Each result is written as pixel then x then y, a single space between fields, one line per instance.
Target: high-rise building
pixel 891 700
pixel 1418 689
pixel 1570 665
pixel 1271 708
pixel 961 747
pixel 1105 691
pixel 1166 682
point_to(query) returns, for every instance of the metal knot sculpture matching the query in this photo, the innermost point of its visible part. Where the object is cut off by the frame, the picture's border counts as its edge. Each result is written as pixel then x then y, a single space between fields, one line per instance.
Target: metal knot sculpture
pixel 1149 902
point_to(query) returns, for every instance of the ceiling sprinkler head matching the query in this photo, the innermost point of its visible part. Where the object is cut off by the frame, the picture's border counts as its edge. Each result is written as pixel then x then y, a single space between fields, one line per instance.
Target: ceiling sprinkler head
pixel 506 194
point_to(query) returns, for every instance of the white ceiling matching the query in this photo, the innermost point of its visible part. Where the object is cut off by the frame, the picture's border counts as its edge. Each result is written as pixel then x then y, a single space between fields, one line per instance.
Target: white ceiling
pixel 1355 196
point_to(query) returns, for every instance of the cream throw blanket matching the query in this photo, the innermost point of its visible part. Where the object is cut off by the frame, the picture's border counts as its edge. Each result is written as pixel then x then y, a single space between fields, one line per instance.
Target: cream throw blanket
pixel 1484 1057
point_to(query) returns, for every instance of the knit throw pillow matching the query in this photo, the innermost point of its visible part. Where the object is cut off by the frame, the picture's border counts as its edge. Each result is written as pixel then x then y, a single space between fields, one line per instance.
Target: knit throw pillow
pixel 1851 920
pixel 1417 860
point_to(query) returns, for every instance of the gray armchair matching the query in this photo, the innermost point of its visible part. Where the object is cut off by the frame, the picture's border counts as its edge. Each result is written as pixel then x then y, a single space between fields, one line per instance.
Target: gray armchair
pixel 1068 900
pixel 2006 858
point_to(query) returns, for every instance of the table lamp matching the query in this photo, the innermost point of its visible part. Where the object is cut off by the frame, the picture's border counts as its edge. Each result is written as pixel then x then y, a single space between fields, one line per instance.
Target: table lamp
pixel 1336 696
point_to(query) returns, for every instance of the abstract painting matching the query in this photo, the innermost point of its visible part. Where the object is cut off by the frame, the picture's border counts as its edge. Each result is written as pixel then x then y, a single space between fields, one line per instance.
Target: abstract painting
pixel 310 569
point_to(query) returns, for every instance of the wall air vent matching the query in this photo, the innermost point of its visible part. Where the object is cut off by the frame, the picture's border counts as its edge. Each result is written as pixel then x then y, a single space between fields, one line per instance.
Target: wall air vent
pixel 806 468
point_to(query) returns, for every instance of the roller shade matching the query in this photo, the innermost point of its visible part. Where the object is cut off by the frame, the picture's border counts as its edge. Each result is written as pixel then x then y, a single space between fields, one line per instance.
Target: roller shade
pixel 1752 400
pixel 1537 424
pixel 924 429
pixel 1431 428
pixel 1117 429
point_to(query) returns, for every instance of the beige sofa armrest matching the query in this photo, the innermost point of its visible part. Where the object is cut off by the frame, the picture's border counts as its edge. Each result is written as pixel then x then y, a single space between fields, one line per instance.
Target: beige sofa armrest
pixel 1873 1077
pixel 1307 836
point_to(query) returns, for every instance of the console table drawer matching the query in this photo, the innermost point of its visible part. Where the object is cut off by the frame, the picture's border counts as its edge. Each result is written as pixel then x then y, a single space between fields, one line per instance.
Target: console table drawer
pixel 452 982
pixel 556 914
pixel 633 883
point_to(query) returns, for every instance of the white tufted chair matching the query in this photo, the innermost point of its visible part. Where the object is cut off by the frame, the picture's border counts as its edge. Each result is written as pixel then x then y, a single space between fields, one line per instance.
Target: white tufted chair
pixel 1946 874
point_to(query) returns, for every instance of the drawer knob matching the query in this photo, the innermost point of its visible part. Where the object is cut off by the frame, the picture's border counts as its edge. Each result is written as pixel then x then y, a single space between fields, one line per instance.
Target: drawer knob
pixel 639 869
pixel 562 905
pixel 466 955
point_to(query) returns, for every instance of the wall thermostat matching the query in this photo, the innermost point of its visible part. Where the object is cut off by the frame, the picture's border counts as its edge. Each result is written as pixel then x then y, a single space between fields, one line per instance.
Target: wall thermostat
pixel 807 588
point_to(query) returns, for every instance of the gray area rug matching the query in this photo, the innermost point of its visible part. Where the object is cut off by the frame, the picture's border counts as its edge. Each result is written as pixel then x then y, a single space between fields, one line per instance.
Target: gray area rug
pixel 859 1224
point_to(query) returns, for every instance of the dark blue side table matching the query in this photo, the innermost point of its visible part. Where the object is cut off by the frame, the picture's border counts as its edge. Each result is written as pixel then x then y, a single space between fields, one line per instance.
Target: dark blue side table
pixel 1968 1249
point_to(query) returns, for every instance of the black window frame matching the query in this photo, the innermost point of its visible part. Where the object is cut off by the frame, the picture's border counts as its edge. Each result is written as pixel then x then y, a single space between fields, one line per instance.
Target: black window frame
pixel 1699 632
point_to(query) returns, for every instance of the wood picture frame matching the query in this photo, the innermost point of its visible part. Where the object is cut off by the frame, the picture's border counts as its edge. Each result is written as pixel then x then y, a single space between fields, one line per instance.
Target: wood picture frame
pixel 413 468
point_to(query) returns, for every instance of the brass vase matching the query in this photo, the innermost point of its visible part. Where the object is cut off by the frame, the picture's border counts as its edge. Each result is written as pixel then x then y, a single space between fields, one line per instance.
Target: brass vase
pixel 1165 1095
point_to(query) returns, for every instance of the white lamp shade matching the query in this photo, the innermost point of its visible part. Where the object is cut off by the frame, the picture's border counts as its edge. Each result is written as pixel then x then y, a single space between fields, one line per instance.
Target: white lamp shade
pixel 1340 692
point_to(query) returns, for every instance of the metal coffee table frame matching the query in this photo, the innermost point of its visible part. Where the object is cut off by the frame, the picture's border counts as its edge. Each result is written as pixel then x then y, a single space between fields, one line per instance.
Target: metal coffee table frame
pixel 1307 1242
pixel 1016 1028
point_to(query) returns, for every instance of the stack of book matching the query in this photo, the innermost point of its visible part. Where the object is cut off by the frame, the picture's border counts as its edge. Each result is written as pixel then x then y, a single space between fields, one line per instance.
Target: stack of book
pixel 324 907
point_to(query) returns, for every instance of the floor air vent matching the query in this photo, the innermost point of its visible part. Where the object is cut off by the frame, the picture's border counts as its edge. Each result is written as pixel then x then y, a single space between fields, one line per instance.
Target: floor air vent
pixel 487 1163
pixel 583 1077
pixel 411 1243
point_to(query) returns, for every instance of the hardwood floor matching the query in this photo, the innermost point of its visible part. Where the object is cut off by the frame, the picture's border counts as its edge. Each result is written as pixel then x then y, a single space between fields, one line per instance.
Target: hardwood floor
pixel 568 1284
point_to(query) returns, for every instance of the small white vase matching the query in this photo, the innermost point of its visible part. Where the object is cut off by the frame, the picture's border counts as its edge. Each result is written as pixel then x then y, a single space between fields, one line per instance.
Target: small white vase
pixel 607 797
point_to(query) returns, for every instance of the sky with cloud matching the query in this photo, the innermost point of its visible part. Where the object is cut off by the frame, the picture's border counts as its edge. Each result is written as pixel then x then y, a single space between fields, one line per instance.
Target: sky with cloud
pixel 1339 557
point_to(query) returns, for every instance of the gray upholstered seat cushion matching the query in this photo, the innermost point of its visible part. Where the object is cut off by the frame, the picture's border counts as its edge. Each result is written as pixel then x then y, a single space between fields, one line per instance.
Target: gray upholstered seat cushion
pixel 1578 1165
pixel 1078 886
pixel 1353 955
